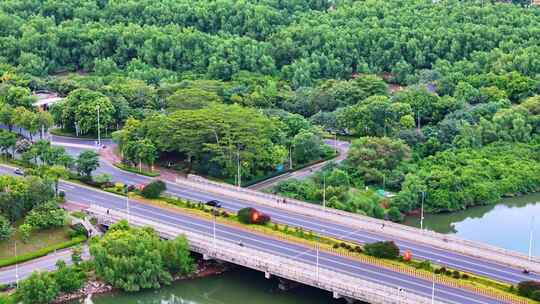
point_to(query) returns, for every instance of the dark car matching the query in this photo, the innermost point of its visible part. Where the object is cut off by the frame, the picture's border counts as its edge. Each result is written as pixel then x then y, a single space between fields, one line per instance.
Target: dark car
pixel 18 171
pixel 214 203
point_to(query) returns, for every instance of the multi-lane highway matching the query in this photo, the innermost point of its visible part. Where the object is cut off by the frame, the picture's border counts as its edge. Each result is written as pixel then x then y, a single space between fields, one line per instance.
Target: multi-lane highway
pixel 327 227
pixel 372 273
pixel 87 195
pixel 323 226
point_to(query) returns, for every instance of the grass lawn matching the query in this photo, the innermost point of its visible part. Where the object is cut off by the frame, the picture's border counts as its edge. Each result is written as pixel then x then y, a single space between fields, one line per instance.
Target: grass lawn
pixel 38 240
pixel 66 133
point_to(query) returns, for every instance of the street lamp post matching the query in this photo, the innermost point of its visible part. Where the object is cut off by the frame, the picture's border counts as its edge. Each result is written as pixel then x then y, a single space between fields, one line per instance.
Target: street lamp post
pixel 290 157
pixel 531 239
pixel 16 267
pixel 317 256
pixel 433 286
pixel 422 213
pixel 317 261
pixel 324 190
pixel 238 161
pixel 127 204
pixel 214 228
pixel 335 142
pixel 98 128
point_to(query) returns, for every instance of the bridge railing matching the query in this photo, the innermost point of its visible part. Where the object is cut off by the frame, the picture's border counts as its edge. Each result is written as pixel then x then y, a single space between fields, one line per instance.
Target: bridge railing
pixel 451 243
pixel 339 283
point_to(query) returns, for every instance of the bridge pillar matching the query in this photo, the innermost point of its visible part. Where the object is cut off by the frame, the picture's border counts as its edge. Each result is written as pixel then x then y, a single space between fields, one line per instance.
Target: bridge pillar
pixel 336 295
pixel 206 257
pixel 285 285
pixel 267 275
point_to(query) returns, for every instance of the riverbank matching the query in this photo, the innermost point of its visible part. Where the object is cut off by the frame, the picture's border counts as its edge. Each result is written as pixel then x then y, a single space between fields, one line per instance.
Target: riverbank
pixel 96 287
pixel 506 224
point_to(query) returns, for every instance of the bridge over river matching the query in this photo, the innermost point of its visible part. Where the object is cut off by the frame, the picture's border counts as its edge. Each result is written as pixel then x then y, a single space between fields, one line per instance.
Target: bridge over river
pixel 343 276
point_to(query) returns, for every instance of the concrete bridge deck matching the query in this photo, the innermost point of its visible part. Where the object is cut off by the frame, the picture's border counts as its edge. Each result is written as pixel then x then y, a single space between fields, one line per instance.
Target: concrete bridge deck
pixel 342 276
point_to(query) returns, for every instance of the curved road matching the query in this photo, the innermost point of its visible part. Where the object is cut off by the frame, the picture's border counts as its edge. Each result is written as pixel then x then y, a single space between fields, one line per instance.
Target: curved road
pixel 341 146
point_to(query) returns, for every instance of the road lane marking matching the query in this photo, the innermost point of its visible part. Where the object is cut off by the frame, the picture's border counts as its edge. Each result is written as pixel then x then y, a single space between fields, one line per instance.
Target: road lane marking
pixel 206 226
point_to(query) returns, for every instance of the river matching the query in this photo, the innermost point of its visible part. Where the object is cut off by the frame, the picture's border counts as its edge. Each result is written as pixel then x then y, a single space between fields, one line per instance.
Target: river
pixel 506 225
pixel 239 286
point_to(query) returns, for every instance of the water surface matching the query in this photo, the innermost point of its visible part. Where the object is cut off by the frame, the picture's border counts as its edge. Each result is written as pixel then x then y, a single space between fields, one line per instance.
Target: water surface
pixel 239 286
pixel 507 224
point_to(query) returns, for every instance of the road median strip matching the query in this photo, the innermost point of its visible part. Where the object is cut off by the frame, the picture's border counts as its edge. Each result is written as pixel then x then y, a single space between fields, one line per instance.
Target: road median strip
pixel 326 244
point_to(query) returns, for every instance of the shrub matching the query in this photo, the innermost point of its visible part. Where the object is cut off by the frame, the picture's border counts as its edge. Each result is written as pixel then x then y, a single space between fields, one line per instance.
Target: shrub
pixel 68 278
pixel 244 215
pixel 252 216
pixel 76 255
pixel 456 274
pixel 4 287
pixel 77 230
pixel 39 288
pixel 25 230
pixel 394 214
pixel 263 219
pixel 358 249
pixel 385 250
pixel 101 179
pixel 536 295
pixel 5 228
pixel 154 189
pixel 528 288
pixel 45 216
pixel 426 265
pixel 466 277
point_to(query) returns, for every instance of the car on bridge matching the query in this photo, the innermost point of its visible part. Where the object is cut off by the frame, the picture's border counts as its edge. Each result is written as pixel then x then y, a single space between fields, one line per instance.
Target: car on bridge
pixel 214 203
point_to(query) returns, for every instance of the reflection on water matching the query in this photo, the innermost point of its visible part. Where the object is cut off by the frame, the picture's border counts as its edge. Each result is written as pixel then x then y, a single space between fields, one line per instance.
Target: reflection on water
pixel 239 286
pixel 507 224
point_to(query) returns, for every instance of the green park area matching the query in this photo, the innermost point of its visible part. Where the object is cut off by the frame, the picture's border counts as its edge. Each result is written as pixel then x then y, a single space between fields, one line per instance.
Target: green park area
pixel 38 240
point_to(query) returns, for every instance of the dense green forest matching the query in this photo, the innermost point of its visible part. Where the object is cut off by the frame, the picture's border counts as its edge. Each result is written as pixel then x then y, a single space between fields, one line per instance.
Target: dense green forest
pixel 439 97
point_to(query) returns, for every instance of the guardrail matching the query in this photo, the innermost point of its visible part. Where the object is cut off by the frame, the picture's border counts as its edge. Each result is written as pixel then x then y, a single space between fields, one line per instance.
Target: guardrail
pixel 393 230
pixel 338 283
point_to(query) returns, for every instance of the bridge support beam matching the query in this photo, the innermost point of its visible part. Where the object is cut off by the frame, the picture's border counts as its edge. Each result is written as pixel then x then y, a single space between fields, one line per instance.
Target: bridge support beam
pixel 206 257
pixel 285 284
pixel 267 275
pixel 336 295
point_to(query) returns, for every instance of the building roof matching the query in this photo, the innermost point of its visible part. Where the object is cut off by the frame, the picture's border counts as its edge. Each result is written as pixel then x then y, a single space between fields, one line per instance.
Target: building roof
pixel 47 101
pixel 46 98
